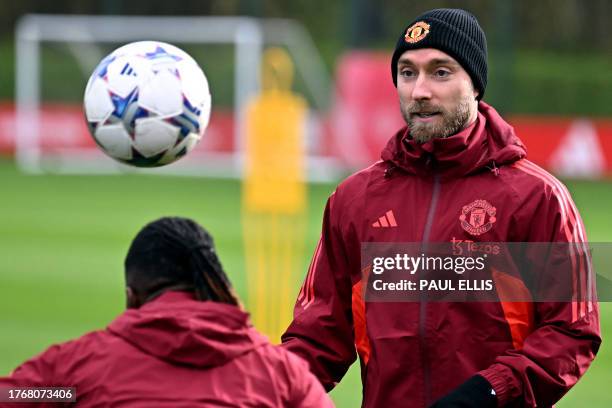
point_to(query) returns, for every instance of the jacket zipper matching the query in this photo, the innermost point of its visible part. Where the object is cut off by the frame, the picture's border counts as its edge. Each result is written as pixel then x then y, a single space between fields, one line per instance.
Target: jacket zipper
pixel 423 303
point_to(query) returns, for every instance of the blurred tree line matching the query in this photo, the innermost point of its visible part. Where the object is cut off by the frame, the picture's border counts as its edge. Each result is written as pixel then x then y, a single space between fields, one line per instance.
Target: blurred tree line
pixel 546 56
pixel 566 25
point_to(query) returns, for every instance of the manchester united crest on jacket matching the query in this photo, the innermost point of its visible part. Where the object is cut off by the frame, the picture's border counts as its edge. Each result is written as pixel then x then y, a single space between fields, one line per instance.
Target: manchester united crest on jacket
pixel 477 217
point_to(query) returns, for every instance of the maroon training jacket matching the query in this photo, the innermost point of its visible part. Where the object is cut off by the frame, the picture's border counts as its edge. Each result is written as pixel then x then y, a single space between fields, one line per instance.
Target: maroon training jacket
pixel 414 353
pixel 175 352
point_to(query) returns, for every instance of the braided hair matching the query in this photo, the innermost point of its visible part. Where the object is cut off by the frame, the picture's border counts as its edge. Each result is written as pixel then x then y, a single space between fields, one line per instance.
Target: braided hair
pixel 175 252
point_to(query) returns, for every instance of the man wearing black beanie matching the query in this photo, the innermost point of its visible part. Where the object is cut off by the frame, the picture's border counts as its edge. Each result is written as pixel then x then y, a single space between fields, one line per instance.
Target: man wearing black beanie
pixel 443 35
pixel 456 174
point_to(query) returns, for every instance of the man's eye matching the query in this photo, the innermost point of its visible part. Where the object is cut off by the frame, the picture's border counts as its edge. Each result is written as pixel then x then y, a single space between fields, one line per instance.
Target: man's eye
pixel 441 73
pixel 406 73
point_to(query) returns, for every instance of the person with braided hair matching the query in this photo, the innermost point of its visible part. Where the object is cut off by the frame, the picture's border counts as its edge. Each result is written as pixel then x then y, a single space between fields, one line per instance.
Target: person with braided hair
pixel 175 253
pixel 184 339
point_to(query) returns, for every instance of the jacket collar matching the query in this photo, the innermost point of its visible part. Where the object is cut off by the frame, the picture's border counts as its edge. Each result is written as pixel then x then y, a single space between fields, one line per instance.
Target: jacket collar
pixel 487 143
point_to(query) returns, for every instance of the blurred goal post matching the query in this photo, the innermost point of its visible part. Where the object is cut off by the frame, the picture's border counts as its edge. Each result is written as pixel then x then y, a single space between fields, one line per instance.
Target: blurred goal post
pixel 249 36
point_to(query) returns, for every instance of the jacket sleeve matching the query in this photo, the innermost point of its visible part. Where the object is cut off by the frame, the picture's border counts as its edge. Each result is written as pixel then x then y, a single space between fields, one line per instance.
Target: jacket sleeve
pixel 566 335
pixel 322 328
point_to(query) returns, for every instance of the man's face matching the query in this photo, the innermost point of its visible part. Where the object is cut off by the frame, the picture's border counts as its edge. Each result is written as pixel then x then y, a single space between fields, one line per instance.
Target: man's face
pixel 436 94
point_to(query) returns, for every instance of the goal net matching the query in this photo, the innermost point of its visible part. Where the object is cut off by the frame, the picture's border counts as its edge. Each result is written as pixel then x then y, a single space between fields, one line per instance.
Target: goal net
pixel 55 54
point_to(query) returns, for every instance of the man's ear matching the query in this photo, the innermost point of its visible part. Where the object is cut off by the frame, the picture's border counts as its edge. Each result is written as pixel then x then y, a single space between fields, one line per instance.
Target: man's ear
pixel 132 299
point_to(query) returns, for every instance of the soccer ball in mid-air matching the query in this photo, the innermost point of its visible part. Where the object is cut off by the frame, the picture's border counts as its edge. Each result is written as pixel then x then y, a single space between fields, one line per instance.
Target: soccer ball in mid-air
pixel 147 104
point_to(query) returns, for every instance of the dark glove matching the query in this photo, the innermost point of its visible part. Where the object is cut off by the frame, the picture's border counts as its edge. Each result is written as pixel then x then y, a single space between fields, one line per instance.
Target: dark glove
pixel 476 392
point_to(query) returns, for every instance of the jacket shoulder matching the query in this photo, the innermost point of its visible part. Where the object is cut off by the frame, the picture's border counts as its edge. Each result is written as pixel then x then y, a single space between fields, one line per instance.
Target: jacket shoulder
pixel 282 357
pixel 356 185
pixel 527 177
pixel 58 362
pixel 294 381
pixel 362 177
pixel 91 346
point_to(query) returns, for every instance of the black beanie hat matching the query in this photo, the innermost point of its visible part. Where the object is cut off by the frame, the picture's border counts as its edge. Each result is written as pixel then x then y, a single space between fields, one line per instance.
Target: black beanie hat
pixel 453 31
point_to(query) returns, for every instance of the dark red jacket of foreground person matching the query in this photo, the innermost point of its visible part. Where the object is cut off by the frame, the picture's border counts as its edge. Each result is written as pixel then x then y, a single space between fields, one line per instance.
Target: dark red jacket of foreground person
pixel 175 352
pixel 414 353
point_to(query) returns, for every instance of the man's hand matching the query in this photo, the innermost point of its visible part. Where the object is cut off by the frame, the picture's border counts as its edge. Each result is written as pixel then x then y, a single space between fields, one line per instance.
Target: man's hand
pixel 476 392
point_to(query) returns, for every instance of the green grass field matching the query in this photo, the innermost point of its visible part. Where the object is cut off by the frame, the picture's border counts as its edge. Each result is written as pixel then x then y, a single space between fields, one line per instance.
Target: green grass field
pixel 63 239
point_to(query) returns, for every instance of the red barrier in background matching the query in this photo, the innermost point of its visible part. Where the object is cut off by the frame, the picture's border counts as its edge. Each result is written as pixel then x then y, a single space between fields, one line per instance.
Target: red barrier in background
pixel 364 116
pixel 63 125
pixel 571 147
pixel 366 111
pixel 8 128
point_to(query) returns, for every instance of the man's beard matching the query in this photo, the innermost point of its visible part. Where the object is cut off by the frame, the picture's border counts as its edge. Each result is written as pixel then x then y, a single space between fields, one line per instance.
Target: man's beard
pixel 452 121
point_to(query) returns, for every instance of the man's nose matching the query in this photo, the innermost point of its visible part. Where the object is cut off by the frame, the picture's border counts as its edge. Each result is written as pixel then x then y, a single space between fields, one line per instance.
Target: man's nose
pixel 422 89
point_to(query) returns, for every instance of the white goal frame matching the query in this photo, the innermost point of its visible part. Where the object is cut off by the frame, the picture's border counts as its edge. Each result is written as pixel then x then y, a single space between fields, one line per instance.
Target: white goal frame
pixel 81 32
